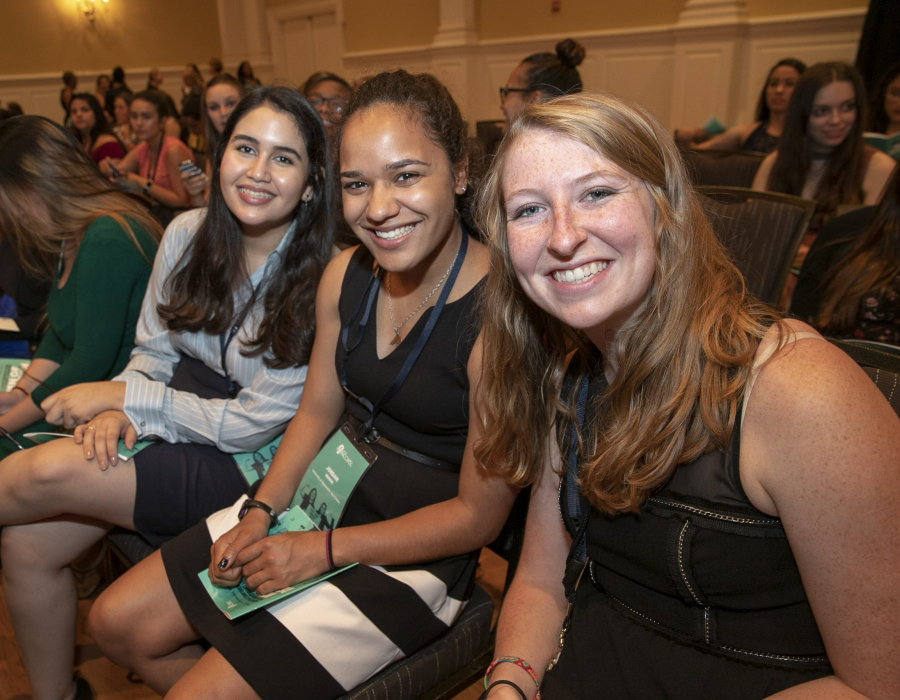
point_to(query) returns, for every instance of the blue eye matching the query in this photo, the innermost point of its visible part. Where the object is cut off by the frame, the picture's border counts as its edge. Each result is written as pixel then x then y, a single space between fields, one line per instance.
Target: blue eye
pixel 599 193
pixel 525 212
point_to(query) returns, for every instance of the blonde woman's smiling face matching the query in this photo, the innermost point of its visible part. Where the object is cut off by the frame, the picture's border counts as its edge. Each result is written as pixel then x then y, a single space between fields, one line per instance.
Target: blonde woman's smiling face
pixel 580 232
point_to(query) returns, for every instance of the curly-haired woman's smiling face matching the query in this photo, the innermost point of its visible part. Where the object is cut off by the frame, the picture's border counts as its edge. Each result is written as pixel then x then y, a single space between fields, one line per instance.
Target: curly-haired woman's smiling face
pixel 580 231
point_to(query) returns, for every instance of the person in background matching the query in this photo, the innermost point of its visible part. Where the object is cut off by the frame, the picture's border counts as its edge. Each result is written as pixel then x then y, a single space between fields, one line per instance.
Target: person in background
pixel 122 118
pixel 229 314
pixel 60 218
pixel 849 286
pixel 70 85
pixel 90 128
pixel 191 81
pixel 14 109
pixel 215 67
pixel 220 97
pixel 151 168
pixel 885 110
pixel 192 131
pixel 104 83
pixel 727 477
pixel 821 154
pixel 542 76
pixel 246 76
pixel 118 83
pixel 761 135
pixel 328 94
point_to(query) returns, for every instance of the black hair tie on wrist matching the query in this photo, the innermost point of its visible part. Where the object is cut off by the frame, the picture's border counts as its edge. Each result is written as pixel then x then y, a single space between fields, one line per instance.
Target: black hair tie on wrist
pixel 502 682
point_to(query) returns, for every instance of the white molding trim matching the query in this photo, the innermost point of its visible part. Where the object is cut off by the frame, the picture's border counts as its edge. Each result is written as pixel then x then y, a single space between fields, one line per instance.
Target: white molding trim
pixel 683 72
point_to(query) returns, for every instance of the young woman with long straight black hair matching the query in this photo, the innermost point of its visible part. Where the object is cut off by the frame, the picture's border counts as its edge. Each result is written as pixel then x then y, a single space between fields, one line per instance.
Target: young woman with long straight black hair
pixel 223 341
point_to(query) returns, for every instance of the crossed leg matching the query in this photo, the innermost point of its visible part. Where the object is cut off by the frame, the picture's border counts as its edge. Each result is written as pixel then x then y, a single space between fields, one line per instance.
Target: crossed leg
pixel 138 624
pixel 54 505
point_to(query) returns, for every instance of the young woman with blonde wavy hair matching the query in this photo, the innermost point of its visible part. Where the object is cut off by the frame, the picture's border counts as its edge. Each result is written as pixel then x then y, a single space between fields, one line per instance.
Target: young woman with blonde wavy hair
pixel 704 555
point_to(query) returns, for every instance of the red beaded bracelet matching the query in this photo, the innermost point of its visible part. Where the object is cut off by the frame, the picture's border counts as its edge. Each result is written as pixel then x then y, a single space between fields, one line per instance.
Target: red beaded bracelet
pixel 521 663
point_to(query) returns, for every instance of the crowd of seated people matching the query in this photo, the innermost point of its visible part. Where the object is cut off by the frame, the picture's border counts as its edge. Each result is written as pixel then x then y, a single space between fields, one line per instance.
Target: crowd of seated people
pixel 335 262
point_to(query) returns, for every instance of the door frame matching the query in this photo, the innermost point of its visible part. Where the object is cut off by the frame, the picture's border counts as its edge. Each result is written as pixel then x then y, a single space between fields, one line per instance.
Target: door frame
pixel 277 17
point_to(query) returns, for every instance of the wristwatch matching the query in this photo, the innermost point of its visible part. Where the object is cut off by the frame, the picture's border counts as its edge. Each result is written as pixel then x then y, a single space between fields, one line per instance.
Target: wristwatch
pixel 253 503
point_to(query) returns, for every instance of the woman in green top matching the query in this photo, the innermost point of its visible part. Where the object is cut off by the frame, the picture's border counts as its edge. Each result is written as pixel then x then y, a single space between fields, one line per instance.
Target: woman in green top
pixel 63 218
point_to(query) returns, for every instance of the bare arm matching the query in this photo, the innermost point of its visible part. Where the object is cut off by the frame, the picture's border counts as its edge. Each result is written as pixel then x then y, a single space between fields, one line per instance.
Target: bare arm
pixel 819 450
pixel 20 411
pixel 534 607
pixel 761 179
pixel 877 174
pixel 732 139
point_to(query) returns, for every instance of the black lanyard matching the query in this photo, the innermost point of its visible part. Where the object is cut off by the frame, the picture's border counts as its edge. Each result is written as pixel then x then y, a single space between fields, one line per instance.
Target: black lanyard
pixel 227 336
pixel 367 302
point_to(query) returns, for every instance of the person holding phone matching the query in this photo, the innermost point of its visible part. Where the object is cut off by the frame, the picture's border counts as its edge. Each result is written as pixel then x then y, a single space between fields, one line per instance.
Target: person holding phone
pixel 222 344
pixel 151 169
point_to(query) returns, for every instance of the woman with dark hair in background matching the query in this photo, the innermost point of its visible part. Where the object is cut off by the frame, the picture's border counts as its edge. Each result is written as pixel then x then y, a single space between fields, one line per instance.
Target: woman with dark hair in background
pixel 542 76
pixel 221 96
pixel 104 84
pixel 421 512
pixel 885 109
pixel 328 94
pixel 152 167
pixel 90 128
pixel 70 84
pixel 232 293
pixel 761 135
pixel 821 154
pixel 59 217
pixel 121 100
pixel 118 83
pixel 246 76
pixel 849 286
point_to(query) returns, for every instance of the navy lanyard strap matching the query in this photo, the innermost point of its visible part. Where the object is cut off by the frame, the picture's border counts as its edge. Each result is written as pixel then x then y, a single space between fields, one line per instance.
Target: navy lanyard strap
pixel 574 498
pixel 375 408
pixel 226 337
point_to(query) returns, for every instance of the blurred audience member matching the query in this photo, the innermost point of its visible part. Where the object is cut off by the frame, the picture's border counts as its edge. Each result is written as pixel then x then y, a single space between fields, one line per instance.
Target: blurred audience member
pixel 246 76
pixel 761 135
pixel 70 84
pixel 91 129
pixel 328 94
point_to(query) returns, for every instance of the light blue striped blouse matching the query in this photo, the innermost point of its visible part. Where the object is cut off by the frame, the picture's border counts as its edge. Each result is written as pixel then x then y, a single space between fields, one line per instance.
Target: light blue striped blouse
pixel 269 397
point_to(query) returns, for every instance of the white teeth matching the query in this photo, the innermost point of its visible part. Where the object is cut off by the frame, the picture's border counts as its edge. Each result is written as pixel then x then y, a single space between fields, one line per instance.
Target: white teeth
pixel 395 233
pixel 579 274
pixel 255 194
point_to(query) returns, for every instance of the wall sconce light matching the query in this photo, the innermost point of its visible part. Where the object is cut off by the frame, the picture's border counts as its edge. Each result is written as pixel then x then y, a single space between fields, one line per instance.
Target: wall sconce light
pixel 87 7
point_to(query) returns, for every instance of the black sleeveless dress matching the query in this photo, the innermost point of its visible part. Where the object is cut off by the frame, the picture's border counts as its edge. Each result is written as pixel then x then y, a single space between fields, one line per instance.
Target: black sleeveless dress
pixel 696 596
pixel 327 640
pixel 760 140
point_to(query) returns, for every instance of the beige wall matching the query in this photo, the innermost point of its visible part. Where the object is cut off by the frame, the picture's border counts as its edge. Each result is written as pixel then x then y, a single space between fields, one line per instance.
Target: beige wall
pixel 500 19
pixel 384 24
pixel 43 36
pixel 765 8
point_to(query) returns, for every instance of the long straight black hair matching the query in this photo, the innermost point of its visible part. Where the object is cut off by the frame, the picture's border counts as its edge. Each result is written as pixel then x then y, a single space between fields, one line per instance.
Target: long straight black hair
pixel 201 288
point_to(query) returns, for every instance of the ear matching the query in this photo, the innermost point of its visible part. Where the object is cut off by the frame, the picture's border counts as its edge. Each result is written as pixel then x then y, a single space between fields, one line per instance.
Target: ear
pixel 461 176
pixel 533 97
pixel 307 194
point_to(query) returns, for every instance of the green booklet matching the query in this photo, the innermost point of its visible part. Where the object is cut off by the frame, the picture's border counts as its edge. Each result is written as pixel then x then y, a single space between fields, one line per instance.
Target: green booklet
pixel 254 465
pixel 12 369
pixel 124 453
pixel 887 144
pixel 240 600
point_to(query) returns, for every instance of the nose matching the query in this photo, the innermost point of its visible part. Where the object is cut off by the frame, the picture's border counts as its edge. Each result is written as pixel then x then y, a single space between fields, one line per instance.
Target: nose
pixel 567 235
pixel 381 205
pixel 258 169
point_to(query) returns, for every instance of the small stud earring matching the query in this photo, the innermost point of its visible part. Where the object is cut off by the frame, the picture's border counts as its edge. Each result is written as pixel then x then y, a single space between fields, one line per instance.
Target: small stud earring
pixel 462 190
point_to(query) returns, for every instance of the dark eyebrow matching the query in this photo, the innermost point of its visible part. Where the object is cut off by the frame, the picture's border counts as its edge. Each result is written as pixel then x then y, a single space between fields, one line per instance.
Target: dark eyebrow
pixel 255 142
pixel 351 174
pixel 405 163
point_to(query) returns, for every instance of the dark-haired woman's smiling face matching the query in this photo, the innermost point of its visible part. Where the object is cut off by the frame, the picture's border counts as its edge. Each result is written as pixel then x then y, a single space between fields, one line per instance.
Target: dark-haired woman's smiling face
pixel 833 114
pixel 263 171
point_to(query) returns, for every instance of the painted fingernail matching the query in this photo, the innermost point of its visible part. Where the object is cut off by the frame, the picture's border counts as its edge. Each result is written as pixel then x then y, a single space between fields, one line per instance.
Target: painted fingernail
pixel 90 455
pixel 223 563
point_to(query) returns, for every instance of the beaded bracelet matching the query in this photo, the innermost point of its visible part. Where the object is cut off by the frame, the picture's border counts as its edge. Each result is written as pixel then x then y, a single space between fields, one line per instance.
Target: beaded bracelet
pixel 521 663
pixel 329 559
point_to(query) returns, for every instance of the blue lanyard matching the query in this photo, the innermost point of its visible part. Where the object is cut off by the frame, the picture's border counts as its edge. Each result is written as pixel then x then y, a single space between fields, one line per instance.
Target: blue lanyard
pixel 367 303
pixel 574 499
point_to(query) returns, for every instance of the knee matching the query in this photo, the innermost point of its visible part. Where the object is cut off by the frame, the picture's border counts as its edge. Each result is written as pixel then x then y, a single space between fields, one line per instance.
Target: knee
pixel 111 625
pixel 41 468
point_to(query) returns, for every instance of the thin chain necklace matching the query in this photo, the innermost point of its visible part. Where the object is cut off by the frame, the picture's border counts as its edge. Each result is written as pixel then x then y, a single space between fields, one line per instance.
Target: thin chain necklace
pixel 397 339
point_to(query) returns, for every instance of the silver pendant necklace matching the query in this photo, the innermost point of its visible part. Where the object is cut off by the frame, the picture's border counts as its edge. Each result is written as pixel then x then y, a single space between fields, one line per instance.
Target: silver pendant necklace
pixel 397 339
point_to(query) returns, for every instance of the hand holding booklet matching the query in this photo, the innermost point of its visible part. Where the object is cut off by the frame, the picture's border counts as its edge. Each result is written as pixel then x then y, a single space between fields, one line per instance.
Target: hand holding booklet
pixel 319 503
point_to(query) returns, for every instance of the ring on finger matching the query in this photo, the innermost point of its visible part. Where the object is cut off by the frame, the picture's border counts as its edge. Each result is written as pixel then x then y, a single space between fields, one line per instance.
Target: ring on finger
pixel 90 427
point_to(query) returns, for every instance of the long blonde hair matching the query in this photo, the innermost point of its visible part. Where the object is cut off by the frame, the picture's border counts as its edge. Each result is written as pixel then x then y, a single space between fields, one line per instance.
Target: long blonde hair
pixel 51 191
pixel 682 361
